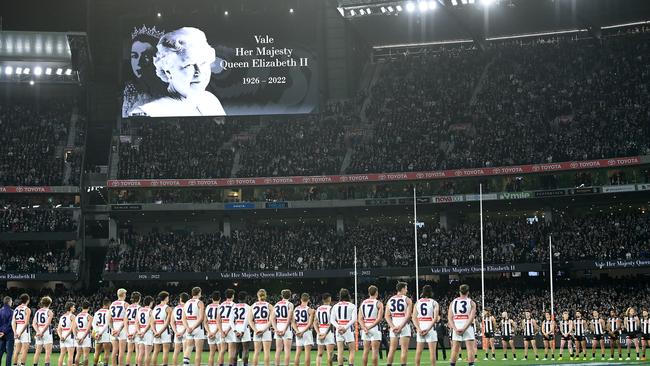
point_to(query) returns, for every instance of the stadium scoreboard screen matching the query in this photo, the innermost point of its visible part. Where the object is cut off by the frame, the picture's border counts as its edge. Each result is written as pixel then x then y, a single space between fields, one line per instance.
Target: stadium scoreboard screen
pixel 244 65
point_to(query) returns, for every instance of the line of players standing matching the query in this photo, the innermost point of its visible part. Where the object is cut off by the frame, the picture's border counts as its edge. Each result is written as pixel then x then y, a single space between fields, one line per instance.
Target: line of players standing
pixel 145 328
pixel 572 332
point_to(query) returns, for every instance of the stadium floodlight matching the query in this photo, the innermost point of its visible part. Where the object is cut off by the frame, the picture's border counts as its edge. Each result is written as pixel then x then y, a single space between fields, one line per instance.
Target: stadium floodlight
pixel 487 3
pixel 159 15
pixel 383 9
pixel 68 72
pixel 9 70
pixel 291 10
pixel 368 11
pixel 454 2
pixel 31 82
pixel 48 71
pixel 38 70
pixel 341 11
pixel 464 2
pixel 410 7
pixel 362 12
pixel 433 4
pixel 399 8
pixel 353 13
pixel 471 1
pixel 19 70
pixel 225 12
pixel 59 71
pixel 26 71
pixel 423 6
pixel 390 9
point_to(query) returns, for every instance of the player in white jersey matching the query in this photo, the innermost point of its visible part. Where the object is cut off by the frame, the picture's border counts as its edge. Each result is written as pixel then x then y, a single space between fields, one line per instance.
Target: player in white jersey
pixel 508 329
pixel 83 337
pixel 66 331
pixel 132 338
pixel 488 325
pixel 371 313
pixel 461 315
pixel 548 335
pixel 598 331
pixel 162 337
pixel 530 328
pixel 259 320
pixel 193 313
pixel 212 326
pixel 145 332
pixel 42 325
pixel 281 320
pixel 398 313
pixel 631 324
pixel 20 325
pixel 117 325
pixel 101 332
pixel 228 342
pixel 323 328
pixel 178 327
pixel 426 314
pixel 239 323
pixel 303 317
pixel 343 317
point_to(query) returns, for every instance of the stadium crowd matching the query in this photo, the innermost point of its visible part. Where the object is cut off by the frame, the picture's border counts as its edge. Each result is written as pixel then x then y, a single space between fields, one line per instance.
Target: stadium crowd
pixel 604 237
pixel 30 141
pixel 19 220
pixel 36 258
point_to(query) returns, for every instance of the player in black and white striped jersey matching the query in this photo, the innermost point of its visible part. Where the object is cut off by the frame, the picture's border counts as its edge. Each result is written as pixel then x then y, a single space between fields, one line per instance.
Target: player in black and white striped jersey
pixel 631 325
pixel 488 326
pixel 508 329
pixel 580 326
pixel 530 330
pixel 614 326
pixel 645 332
pixel 548 335
pixel 598 331
pixel 566 334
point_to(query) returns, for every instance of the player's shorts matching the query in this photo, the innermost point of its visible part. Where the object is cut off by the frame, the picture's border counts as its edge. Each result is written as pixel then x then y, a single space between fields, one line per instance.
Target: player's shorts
pixel 216 340
pixel 467 336
pixel 432 336
pixel 146 339
pixel 346 337
pixel 120 337
pixel 267 336
pixel 327 341
pixel 197 334
pixel 68 343
pixel 406 332
pixel 45 339
pixel 549 337
pixel 489 335
pixel 598 337
pixel 85 343
pixel 307 339
pixel 165 338
pixel 374 334
pixel 506 338
pixel 632 335
pixel 24 338
pixel 529 338
pixel 104 338
pixel 179 339
pixel 287 335
pixel 567 338
pixel 614 335
pixel 245 337
pixel 231 337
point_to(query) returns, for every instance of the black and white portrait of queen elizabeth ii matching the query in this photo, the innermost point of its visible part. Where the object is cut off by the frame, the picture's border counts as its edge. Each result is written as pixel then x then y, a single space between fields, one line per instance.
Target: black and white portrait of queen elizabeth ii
pixel 183 61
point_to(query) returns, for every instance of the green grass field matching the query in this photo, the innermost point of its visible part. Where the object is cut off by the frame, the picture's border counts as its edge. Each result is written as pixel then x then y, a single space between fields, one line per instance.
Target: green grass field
pixel 411 361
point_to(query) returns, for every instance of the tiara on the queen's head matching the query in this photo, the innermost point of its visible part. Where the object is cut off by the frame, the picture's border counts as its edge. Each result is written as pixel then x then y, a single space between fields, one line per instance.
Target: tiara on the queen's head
pixel 153 32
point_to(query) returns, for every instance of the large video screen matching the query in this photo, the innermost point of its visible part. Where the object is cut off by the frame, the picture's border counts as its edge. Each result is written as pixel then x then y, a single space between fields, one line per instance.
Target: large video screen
pixel 218 67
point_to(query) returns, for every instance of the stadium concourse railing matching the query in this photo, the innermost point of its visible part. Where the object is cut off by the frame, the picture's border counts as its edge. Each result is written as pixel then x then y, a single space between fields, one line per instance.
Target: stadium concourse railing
pixel 376 272
pixel 365 202
pixel 381 177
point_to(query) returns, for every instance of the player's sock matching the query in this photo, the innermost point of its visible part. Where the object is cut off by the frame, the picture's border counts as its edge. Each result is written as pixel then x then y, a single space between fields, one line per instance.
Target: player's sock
pixel 186 361
pixel 470 364
pixel 452 364
pixel 47 364
pixel 494 356
pixel 505 355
